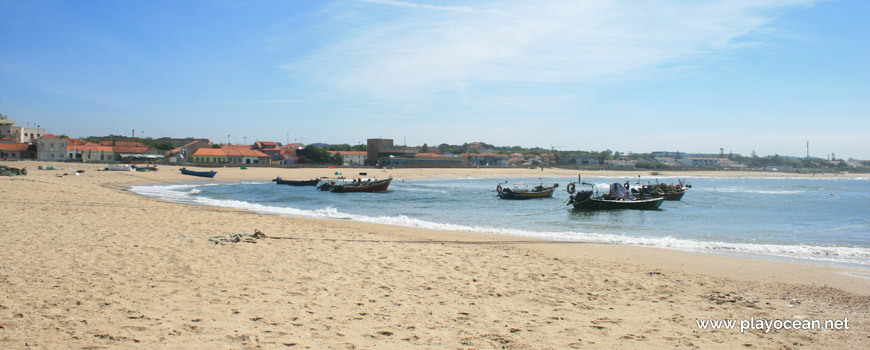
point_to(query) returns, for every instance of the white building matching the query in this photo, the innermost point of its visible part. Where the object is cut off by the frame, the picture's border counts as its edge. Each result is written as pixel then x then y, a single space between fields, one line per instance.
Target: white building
pixel 352 157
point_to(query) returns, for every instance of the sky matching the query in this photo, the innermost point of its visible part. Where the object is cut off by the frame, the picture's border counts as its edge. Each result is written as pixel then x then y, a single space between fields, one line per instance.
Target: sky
pixel 631 76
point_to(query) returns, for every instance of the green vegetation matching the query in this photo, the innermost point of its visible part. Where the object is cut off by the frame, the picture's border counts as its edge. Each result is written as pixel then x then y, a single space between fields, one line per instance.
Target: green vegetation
pixel 317 155
pixel 346 147
pixel 148 142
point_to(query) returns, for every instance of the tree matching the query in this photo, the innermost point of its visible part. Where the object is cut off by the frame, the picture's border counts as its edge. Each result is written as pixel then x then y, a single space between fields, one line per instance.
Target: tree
pixel 316 155
pixel 424 148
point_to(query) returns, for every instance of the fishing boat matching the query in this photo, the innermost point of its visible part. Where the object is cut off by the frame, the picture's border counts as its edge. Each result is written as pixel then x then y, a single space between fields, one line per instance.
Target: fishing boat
pixel 311 182
pixel 119 167
pixel 357 185
pixel 208 174
pixel 145 168
pixel 672 192
pixel 538 191
pixel 618 198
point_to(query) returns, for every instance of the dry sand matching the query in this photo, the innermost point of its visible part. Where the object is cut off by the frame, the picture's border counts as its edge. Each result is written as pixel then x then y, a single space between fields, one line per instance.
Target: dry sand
pixel 87 264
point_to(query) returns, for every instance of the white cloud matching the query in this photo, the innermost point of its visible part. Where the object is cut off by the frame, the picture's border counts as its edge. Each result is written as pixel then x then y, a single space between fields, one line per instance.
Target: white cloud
pixel 405 49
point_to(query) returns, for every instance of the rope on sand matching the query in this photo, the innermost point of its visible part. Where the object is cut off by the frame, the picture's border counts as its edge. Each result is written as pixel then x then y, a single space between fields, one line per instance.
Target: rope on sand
pixel 238 237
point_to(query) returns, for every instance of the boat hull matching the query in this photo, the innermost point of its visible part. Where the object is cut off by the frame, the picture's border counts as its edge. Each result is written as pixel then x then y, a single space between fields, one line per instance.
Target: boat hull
pixel 374 186
pixel 607 204
pixel 208 174
pixel 281 181
pixel 507 194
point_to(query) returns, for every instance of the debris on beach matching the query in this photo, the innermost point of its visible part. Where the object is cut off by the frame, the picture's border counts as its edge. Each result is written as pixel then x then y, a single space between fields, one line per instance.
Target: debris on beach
pixel 10 171
pixel 238 237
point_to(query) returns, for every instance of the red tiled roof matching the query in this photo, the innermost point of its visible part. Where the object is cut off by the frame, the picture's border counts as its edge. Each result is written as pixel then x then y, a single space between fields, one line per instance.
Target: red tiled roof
pixel 121 143
pixel 80 142
pixel 48 136
pixel 121 149
pixel 235 151
pixel 266 145
pixel 13 147
pixel 215 152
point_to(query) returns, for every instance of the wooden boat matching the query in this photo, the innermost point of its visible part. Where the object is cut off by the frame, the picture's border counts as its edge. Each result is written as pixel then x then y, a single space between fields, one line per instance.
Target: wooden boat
pixel 145 168
pixel 538 191
pixel 618 198
pixel 119 167
pixel 208 174
pixel 357 186
pixel 311 182
pixel 668 192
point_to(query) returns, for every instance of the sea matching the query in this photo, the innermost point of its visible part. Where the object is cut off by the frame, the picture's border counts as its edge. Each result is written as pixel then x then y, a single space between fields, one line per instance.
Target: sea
pixel 823 221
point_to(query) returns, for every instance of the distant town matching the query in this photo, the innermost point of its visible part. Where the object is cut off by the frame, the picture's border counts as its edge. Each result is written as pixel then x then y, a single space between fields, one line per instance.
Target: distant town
pixel 34 143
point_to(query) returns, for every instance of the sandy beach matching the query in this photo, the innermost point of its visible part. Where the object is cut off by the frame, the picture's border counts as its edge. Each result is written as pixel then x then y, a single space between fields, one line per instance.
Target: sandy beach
pixel 86 263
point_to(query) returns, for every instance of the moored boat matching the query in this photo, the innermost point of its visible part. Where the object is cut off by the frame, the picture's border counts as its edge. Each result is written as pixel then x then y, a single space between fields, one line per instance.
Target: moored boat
pixel 357 185
pixel 209 174
pixel 538 191
pixel 672 192
pixel 618 198
pixel 311 182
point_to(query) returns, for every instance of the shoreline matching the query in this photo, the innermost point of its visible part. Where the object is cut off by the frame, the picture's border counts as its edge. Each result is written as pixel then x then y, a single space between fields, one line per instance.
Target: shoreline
pixel 719 248
pixel 140 270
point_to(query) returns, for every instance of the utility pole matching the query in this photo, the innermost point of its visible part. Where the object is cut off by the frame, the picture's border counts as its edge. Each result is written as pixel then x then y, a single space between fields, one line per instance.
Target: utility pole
pixel 228 140
pixel 246 139
pixel 808 149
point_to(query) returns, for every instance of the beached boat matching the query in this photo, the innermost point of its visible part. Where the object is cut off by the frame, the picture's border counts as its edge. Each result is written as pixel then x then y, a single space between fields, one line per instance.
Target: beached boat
pixel 119 167
pixel 538 191
pixel 199 173
pixel 357 185
pixel 145 168
pixel 312 182
pixel 618 198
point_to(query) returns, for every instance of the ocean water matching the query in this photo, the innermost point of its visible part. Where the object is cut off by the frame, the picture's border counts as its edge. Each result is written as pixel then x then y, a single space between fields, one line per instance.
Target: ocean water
pixel 820 221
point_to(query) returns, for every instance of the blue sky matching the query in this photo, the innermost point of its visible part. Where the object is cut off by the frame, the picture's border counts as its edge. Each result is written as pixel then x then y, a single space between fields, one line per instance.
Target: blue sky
pixel 763 75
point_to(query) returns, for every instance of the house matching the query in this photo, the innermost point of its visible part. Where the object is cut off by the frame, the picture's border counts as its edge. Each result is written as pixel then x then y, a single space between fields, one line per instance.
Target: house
pixel 19 134
pixel 705 162
pixel 209 156
pixel 288 156
pixel 94 154
pixel 244 155
pixel 516 161
pixel 13 151
pixel 51 148
pixel 273 149
pixel 547 158
pixel 669 161
pixel 83 151
pixel 620 162
pixel 488 159
pixel 379 152
pixel 580 160
pixel 352 157
pixel 184 147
